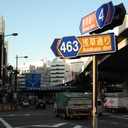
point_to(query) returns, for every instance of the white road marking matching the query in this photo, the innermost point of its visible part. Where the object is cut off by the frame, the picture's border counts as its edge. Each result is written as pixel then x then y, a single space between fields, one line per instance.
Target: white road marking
pixel 60 124
pixel 27 114
pixel 120 117
pixel 78 126
pixel 5 123
pixel 43 126
pixel 11 115
pixel 102 121
pixel 114 123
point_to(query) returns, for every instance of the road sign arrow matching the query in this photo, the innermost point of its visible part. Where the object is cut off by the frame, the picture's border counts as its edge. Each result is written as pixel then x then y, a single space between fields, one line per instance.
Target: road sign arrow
pixel 54 47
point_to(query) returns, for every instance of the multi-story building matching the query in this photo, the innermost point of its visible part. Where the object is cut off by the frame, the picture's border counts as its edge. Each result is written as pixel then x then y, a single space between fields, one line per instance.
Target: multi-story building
pixel 24 69
pixel 40 66
pixel 63 71
pixel 58 72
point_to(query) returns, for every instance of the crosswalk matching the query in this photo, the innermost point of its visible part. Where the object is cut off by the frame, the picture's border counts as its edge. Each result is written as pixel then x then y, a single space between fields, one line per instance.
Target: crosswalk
pixel 66 124
pixel 120 116
pixel 58 125
pixel 55 125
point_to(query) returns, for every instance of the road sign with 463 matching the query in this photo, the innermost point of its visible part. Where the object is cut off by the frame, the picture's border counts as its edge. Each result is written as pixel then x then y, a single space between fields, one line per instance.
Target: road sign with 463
pixel 72 46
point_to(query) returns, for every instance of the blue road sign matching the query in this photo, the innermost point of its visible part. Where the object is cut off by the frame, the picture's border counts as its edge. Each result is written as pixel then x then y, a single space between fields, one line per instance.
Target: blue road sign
pixel 72 46
pixel 101 15
pixel 111 12
pixel 97 19
pixel 69 46
pixel 54 47
pixel 32 80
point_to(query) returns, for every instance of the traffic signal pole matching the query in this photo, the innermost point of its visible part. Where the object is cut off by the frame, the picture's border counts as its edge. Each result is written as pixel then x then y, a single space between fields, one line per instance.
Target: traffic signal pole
pixel 15 88
pixel 1 43
pixel 95 81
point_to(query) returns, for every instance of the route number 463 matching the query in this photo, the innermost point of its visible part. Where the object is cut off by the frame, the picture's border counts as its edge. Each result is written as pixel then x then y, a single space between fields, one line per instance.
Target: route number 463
pixel 69 46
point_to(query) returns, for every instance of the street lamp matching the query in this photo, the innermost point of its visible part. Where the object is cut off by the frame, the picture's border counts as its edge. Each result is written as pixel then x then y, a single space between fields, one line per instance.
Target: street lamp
pixel 3 56
pixel 17 57
pixel 13 34
pixel 2 49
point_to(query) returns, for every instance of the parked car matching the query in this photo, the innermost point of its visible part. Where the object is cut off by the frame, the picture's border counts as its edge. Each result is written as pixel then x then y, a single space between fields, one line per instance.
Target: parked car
pixel 25 103
pixel 40 104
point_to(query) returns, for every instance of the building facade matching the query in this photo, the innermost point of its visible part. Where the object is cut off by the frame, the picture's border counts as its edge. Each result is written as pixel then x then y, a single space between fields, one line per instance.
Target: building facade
pixel 40 66
pixel 63 71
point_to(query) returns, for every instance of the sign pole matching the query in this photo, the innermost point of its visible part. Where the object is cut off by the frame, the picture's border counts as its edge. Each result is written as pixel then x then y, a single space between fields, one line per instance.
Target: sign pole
pixel 94 112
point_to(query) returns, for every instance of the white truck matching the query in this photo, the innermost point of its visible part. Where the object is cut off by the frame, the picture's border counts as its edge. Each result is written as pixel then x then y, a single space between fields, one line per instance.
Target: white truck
pixel 116 103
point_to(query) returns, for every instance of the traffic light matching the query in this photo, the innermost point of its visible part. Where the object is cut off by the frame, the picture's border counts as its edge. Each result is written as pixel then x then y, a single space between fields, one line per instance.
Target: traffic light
pixel 118 19
pixel 91 82
pixel 14 72
pixel 13 77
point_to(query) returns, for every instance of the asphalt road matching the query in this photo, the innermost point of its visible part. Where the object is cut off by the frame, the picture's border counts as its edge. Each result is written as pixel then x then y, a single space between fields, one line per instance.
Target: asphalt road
pixel 33 118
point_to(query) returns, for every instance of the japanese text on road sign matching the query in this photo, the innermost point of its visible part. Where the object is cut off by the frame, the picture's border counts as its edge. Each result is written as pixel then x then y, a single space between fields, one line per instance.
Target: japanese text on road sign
pixel 98 19
pixel 93 44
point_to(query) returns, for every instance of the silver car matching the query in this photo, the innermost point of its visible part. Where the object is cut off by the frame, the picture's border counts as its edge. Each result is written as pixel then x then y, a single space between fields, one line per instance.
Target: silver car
pixel 25 103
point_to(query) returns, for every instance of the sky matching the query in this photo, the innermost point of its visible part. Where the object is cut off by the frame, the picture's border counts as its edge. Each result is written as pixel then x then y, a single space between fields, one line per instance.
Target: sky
pixel 39 22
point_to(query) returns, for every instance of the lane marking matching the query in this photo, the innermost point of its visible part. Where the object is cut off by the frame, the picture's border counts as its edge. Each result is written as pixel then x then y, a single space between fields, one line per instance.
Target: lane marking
pixel 102 121
pixel 120 117
pixel 5 123
pixel 27 114
pixel 11 115
pixel 78 126
pixel 60 124
pixel 49 126
pixel 43 126
pixel 114 123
